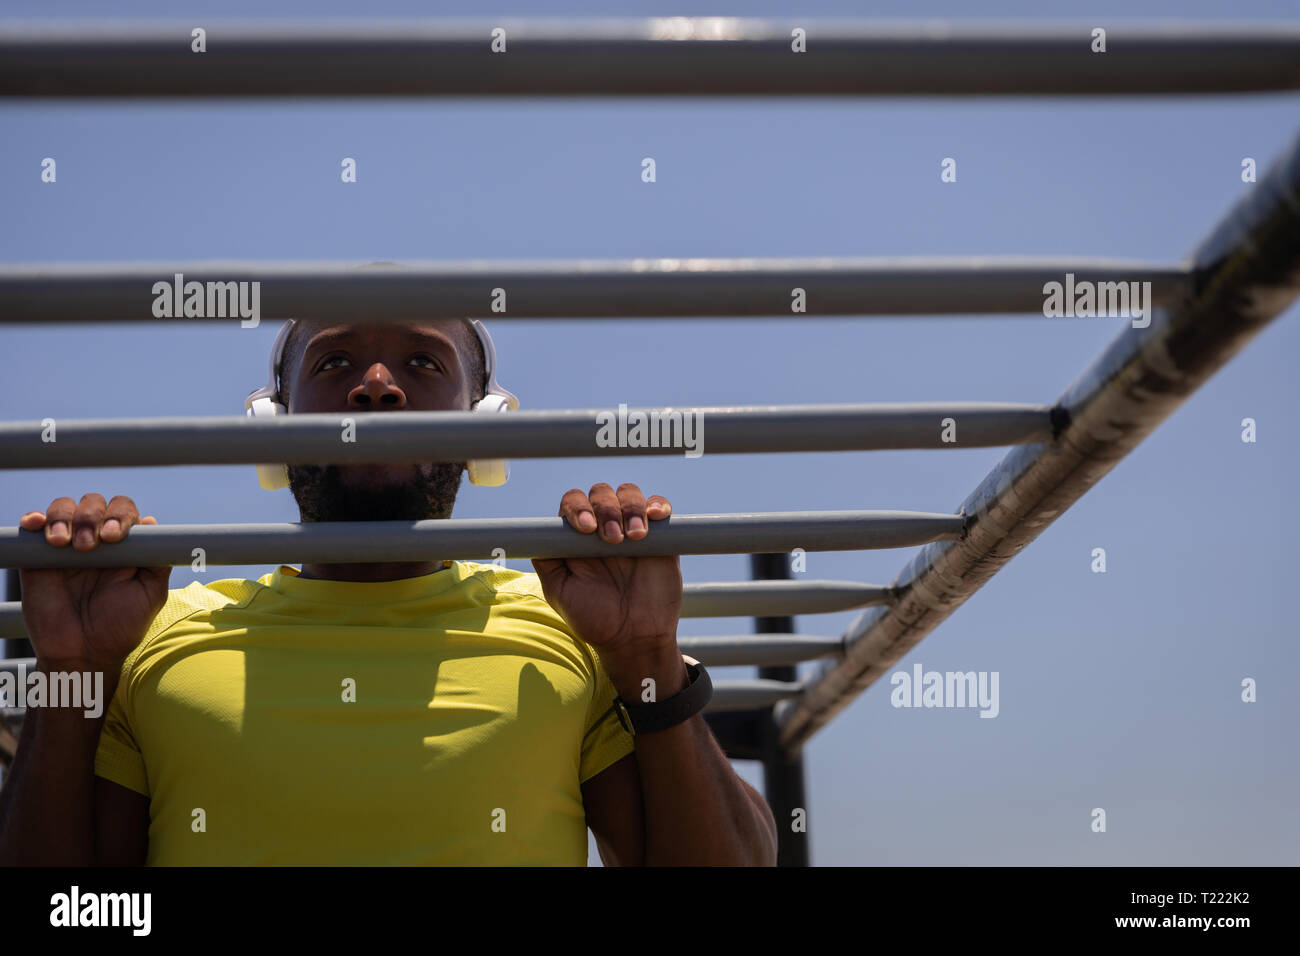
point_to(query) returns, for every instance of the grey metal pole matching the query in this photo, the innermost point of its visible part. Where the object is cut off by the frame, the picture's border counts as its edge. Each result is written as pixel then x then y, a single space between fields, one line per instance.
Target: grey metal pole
pixel 720 651
pixel 75 294
pixel 732 695
pixel 1248 272
pixel 518 538
pixel 768 650
pixel 707 56
pixel 462 436
pixel 783 776
pixel 728 695
pixel 778 598
pixel 699 599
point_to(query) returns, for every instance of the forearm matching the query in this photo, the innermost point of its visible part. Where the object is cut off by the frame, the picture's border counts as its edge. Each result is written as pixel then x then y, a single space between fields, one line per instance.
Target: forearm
pixel 47 802
pixel 697 810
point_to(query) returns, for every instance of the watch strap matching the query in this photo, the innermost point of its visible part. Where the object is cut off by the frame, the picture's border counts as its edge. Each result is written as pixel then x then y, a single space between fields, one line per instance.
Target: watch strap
pixel 660 715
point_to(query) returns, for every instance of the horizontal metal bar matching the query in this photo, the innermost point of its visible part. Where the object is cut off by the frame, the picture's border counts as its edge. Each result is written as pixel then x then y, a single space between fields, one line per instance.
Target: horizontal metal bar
pixel 775 598
pixel 712 651
pixel 519 538
pixel 700 599
pixel 748 694
pixel 727 694
pixel 710 56
pixel 1248 272
pixel 579 288
pixel 760 649
pixel 461 436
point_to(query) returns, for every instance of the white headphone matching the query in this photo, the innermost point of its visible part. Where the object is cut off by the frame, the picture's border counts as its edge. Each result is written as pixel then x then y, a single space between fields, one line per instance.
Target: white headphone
pixel 265 402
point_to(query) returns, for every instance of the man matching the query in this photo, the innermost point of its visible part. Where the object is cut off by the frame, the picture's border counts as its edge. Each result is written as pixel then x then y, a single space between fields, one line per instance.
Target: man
pixel 372 713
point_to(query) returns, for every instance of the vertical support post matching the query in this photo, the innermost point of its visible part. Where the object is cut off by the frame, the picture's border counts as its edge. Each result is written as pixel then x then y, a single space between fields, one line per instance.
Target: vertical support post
pixel 783 782
pixel 16 647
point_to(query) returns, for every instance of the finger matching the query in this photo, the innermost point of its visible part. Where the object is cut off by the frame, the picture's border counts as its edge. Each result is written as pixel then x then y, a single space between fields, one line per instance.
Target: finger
pixel 609 515
pixel 58 521
pixel 32 521
pixel 122 514
pixel 657 507
pixel 88 520
pixel 632 504
pixel 576 509
pixel 160 574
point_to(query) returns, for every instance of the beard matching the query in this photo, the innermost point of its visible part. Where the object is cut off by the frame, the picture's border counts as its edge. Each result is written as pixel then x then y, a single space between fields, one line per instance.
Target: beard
pixel 323 495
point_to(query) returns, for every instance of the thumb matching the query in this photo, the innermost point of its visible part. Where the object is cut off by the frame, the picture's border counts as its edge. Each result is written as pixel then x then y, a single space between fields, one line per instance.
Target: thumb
pixel 155 582
pixel 551 571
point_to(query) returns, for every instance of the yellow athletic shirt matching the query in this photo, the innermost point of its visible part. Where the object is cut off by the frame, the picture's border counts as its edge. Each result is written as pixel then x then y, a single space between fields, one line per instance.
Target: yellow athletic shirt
pixel 447 719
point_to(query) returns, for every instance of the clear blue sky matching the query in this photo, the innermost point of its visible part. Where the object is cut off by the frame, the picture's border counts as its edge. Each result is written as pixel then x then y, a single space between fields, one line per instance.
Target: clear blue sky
pixel 1119 690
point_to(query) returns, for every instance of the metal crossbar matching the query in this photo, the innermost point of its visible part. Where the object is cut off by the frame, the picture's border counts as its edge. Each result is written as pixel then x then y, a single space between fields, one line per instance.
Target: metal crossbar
pixel 565 289
pixel 701 599
pixel 778 598
pixel 517 538
pixel 459 436
pixel 723 651
pixel 762 650
pixel 655 56
pixel 728 695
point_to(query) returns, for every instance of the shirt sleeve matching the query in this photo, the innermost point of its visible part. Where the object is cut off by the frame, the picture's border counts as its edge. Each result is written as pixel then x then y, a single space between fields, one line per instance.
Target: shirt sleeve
pixel 118 757
pixel 606 742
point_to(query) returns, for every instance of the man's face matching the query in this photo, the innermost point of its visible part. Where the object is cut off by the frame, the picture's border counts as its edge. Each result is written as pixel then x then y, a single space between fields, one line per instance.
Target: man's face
pixel 372 368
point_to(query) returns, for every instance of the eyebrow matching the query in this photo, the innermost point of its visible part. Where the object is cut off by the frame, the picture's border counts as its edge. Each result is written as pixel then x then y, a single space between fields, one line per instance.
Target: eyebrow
pixel 332 339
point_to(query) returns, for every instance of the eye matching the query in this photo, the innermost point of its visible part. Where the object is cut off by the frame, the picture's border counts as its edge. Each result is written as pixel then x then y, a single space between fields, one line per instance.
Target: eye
pixel 433 363
pixel 333 358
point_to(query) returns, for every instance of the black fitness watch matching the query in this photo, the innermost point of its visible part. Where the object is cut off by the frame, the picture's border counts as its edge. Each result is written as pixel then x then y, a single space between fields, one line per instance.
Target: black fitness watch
pixel 647 718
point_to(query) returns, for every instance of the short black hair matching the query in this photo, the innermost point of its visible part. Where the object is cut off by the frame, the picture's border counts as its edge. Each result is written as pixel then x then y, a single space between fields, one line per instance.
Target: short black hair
pixel 472 350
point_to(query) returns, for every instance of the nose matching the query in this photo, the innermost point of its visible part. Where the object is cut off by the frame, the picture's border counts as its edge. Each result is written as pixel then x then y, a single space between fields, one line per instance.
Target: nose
pixel 377 390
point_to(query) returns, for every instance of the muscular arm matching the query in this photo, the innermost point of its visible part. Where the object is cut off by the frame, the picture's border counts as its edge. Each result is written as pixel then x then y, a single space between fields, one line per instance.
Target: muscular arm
pixel 54 811
pixel 677 801
pixel 693 809
pixel 121 825
pixel 47 803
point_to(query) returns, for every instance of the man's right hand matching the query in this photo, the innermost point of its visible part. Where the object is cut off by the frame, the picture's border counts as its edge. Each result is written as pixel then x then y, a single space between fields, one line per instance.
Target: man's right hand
pixel 89 618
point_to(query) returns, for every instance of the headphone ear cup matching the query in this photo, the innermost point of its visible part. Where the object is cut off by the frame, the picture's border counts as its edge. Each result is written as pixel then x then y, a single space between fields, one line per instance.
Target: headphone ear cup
pixel 490 472
pixel 273 477
pixel 270 477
